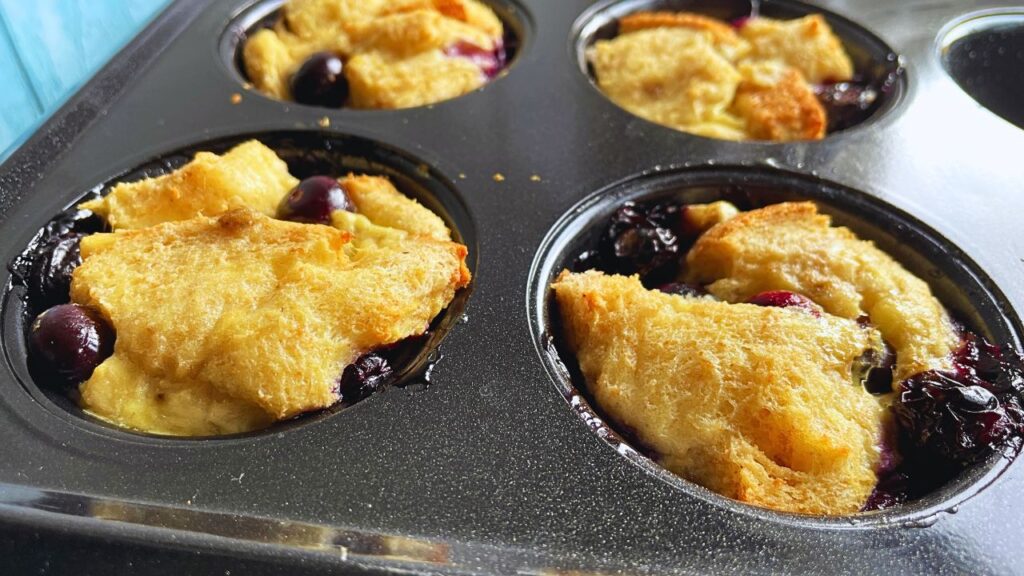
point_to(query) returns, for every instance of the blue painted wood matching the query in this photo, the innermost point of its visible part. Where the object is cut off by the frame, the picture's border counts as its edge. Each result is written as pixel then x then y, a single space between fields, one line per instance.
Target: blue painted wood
pixel 48 48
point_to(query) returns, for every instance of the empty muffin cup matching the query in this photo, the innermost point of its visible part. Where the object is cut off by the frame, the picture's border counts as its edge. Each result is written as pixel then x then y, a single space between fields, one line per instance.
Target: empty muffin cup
pixel 984 53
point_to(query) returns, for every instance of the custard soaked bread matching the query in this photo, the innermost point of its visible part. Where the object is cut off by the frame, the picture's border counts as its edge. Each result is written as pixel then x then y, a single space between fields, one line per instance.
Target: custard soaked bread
pixel 229 320
pixel 273 322
pixel 701 75
pixel 791 247
pixel 758 404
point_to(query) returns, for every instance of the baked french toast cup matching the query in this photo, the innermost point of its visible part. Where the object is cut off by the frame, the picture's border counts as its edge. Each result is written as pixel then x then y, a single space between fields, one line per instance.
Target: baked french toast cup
pixel 598 302
pixel 144 242
pixel 733 93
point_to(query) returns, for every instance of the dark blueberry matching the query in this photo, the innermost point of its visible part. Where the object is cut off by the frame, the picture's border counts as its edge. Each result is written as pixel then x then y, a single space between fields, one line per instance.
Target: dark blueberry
pixel 364 377
pixel 45 267
pixel 643 240
pixel 891 490
pixel 681 289
pixel 956 421
pixel 320 81
pixel 784 299
pixel 846 103
pixel 69 341
pixel 874 369
pixel 490 62
pixel 49 281
pixel 740 22
pixel 314 200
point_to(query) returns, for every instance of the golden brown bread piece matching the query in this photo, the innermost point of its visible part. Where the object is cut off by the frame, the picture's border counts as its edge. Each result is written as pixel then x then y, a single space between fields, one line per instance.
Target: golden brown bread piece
pixel 250 175
pixel 722 34
pixel 755 403
pixel 267 312
pixel 778 104
pixel 671 76
pixel 394 51
pixel 790 246
pixel 377 199
pixel 807 44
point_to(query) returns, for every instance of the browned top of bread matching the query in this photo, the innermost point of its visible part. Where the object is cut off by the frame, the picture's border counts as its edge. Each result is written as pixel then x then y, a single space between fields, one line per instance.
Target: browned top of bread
pixel 807 44
pixel 778 104
pixel 755 403
pixel 263 311
pixel 720 31
pixel 790 246
pixel 250 175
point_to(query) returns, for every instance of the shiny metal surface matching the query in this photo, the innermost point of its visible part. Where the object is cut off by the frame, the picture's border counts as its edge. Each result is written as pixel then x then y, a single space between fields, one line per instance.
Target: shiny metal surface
pixel 490 461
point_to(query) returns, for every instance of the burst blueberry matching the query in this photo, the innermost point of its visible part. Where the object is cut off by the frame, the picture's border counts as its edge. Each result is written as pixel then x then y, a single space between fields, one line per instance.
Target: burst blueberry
pixel 365 376
pixel 785 299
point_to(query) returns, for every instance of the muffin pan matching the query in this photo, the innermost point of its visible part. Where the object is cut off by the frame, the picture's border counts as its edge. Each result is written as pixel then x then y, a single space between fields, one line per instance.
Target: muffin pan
pixel 488 468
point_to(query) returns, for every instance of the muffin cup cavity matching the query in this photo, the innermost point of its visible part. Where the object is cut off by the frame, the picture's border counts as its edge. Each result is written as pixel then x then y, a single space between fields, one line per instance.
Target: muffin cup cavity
pixel 261 14
pixel 306 154
pixel 962 287
pixel 984 54
pixel 875 64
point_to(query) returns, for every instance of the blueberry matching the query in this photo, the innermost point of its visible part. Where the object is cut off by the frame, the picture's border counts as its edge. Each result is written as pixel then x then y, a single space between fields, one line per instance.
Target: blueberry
pixel 784 299
pixel 874 369
pixel 643 240
pixel 680 289
pixel 320 81
pixel 953 420
pixel 69 341
pixel 490 62
pixel 45 267
pixel 313 201
pixel 365 376
pixel 846 103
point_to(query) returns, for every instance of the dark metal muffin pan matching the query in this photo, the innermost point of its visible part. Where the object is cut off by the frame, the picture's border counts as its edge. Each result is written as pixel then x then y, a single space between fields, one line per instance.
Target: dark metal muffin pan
pixel 489 469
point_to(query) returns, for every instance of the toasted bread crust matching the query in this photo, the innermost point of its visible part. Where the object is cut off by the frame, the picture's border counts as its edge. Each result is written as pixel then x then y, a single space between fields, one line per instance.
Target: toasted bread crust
pixel 228 321
pixel 721 31
pixel 790 246
pixel 755 403
pixel 781 107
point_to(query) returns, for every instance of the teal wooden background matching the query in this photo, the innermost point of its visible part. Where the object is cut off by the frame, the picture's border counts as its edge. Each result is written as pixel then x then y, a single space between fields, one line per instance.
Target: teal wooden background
pixel 48 48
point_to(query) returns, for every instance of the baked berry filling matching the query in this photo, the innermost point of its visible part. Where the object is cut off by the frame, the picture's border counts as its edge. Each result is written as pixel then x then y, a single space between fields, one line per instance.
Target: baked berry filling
pixel 939 422
pixel 490 62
